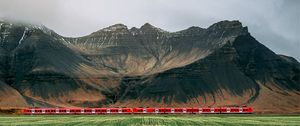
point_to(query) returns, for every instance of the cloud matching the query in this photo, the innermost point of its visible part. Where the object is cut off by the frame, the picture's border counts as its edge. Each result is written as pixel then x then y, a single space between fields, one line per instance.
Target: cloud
pixel 275 23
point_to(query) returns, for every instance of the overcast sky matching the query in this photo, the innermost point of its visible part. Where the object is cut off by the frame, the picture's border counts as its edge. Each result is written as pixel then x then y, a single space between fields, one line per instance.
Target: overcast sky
pixel 275 23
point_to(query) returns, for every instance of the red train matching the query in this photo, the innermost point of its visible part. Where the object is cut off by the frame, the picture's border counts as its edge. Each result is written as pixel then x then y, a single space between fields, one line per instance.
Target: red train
pixel 92 111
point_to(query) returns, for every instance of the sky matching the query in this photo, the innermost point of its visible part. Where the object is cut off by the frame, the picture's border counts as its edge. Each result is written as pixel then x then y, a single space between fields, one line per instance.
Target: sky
pixel 275 23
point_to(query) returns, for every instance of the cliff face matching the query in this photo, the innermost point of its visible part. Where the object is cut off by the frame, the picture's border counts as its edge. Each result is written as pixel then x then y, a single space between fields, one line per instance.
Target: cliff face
pixel 222 65
pixel 149 50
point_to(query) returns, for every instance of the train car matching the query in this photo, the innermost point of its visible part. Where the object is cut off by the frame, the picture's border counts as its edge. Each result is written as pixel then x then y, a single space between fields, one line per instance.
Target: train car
pixel 196 110
pixel 164 110
pixel 206 110
pixel 28 111
pixel 127 110
pixel 113 110
pixel 247 110
pixel 73 111
pixel 139 110
pixel 100 110
pixel 217 110
pixel 178 110
pixel 190 110
pixel 225 110
pixel 151 110
pixel 167 110
pixel 235 110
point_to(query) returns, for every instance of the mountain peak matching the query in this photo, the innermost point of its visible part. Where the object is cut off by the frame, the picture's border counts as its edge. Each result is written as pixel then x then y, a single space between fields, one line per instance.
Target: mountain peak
pixel 192 29
pixel 234 28
pixel 148 27
pixel 116 27
pixel 8 26
pixel 227 24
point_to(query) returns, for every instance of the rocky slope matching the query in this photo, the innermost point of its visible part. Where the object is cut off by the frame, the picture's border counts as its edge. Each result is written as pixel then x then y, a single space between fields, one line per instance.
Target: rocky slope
pixel 222 65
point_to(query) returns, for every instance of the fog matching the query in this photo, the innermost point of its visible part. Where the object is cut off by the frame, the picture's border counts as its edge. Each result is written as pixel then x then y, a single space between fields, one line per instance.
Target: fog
pixel 275 23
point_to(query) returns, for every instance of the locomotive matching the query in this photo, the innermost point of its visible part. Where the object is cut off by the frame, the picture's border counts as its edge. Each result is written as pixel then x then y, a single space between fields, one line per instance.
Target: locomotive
pixel 98 111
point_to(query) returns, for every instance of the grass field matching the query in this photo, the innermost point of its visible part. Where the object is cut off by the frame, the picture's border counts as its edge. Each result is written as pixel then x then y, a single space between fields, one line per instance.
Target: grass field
pixel 161 120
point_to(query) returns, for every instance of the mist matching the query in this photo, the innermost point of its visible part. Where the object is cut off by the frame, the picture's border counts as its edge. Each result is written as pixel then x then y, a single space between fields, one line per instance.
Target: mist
pixel 275 23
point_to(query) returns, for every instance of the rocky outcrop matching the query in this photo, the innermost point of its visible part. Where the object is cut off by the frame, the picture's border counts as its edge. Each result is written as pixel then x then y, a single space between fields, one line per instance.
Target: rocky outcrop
pixel 222 65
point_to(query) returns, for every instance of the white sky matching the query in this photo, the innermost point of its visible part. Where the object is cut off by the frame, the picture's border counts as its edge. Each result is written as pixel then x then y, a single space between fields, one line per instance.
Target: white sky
pixel 275 23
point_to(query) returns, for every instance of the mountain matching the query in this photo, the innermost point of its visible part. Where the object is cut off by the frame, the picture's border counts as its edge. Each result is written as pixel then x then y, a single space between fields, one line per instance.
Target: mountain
pixel 222 65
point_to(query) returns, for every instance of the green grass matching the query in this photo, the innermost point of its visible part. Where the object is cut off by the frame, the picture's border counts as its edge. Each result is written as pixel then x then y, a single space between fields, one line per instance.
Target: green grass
pixel 159 120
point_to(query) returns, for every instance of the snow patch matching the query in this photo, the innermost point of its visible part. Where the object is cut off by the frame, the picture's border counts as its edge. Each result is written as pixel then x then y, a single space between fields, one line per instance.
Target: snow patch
pixel 66 41
pixel 23 36
pixel 101 44
pixel 5 33
pixel 115 27
pixel 42 28
pixel 133 33
pixel 222 34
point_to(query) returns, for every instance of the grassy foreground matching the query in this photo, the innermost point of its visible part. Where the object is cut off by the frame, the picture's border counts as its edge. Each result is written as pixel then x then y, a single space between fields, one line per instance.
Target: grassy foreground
pixel 136 120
